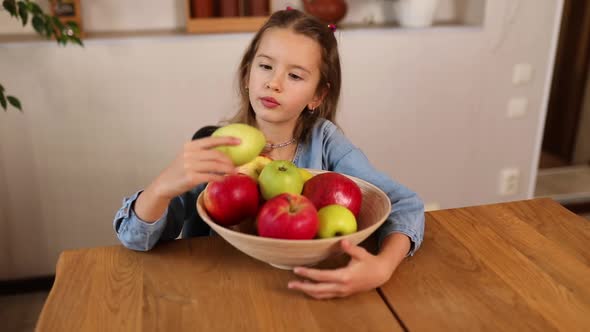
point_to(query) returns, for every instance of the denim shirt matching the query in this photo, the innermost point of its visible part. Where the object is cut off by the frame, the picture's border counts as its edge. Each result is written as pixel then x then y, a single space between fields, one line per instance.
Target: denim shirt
pixel 328 149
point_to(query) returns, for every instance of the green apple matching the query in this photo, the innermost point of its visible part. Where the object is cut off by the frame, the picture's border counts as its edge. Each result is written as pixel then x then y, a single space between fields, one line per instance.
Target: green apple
pixel 305 174
pixel 252 142
pixel 280 176
pixel 253 168
pixel 336 220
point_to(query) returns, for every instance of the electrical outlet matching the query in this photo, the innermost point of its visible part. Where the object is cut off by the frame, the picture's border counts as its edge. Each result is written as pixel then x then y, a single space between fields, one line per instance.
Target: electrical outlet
pixel 509 178
pixel 517 107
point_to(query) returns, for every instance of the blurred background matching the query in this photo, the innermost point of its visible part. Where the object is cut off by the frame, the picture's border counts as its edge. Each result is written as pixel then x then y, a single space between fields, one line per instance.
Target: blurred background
pixel 467 102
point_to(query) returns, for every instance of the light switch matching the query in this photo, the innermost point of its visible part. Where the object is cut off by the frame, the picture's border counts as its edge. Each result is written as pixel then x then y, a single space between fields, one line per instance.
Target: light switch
pixel 522 73
pixel 517 107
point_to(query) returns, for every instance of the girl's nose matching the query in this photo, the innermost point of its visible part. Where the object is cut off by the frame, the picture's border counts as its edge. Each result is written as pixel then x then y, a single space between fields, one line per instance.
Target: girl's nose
pixel 273 84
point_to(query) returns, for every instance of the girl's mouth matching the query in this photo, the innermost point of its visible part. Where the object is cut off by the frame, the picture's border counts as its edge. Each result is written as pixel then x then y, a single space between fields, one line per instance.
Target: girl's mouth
pixel 269 102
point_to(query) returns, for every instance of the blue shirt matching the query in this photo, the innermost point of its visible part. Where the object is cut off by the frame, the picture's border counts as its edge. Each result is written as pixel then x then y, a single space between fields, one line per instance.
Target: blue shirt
pixel 328 149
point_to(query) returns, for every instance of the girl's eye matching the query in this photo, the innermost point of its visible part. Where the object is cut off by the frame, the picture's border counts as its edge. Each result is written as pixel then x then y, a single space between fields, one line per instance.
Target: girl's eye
pixel 265 67
pixel 295 77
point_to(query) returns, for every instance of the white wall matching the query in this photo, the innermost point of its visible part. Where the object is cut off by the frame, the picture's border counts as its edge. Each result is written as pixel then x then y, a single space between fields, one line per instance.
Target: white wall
pixel 427 106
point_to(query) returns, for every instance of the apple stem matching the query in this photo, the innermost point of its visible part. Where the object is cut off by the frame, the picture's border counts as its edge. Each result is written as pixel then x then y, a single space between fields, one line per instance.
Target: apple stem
pixel 292 207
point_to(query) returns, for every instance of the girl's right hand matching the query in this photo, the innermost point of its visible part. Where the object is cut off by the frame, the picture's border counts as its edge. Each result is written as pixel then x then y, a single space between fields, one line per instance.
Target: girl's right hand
pixel 198 162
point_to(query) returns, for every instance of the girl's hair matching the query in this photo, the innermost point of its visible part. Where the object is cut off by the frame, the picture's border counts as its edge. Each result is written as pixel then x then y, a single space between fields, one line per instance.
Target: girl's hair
pixel 330 76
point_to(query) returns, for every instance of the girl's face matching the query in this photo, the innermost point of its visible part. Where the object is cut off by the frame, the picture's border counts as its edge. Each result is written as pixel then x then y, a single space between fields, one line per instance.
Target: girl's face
pixel 284 76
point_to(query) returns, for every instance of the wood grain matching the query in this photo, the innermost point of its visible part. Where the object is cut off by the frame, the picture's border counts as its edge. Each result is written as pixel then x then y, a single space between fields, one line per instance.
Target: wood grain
pixel 197 284
pixel 502 267
pixel 225 24
pixel 95 290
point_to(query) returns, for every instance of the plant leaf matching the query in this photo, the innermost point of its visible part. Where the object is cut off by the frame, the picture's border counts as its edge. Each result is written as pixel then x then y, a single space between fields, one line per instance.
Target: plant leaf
pixel 76 40
pixel 1 88
pixel 49 28
pixel 39 25
pixel 22 11
pixel 10 6
pixel 14 102
pixel 35 8
pixel 58 27
pixel 57 22
pixel 3 101
pixel 74 26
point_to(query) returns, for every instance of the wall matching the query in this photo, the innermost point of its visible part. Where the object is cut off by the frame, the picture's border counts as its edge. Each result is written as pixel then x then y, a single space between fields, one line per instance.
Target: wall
pixel 582 145
pixel 427 106
pixel 115 15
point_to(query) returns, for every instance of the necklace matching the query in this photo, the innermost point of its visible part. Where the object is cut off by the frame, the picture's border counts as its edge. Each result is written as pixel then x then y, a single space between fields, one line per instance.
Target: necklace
pixel 280 145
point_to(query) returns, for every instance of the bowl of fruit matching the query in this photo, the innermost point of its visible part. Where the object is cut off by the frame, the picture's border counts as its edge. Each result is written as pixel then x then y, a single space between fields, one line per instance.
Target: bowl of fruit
pixel 287 216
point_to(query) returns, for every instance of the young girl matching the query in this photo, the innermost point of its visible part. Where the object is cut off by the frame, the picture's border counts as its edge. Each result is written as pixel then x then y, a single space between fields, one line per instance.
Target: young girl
pixel 289 86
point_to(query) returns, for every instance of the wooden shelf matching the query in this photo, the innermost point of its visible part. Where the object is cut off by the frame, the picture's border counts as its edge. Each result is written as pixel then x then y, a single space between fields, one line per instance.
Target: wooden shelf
pixel 182 32
pixel 220 24
pixel 75 17
pixel 225 24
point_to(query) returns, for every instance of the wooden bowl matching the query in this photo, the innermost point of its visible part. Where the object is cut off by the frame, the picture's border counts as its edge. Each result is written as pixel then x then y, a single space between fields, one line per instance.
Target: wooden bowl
pixel 287 254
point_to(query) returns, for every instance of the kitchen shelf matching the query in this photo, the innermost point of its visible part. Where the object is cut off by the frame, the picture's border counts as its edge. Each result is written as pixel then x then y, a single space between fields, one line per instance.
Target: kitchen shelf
pixel 75 17
pixel 220 24
pixel 225 24
pixel 235 25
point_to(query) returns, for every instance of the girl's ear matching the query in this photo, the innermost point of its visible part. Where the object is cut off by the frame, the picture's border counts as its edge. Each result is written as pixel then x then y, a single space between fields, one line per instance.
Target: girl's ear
pixel 318 98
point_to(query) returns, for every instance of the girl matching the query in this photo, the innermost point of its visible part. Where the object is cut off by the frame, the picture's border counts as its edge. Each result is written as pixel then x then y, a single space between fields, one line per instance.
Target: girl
pixel 289 86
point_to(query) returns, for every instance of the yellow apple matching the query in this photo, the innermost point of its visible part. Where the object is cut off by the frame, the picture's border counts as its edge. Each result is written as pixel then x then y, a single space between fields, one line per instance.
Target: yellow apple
pixel 253 168
pixel 252 142
pixel 335 220
pixel 305 174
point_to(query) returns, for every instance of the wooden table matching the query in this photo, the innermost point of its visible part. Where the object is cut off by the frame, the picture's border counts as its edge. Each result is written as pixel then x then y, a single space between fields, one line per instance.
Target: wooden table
pixel 199 284
pixel 518 266
pixel 513 266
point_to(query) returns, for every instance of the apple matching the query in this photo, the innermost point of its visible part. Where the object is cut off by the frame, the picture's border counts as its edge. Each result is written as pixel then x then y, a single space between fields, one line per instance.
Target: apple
pixel 335 220
pixel 253 168
pixel 252 142
pixel 333 188
pixel 280 176
pixel 288 216
pixel 305 174
pixel 232 200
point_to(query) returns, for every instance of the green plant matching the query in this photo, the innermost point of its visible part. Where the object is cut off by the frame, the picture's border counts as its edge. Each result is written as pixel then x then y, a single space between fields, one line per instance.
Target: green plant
pixel 4 100
pixel 48 26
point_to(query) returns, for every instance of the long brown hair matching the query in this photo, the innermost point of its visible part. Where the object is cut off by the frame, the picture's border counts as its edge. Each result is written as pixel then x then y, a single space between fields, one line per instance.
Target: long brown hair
pixel 330 75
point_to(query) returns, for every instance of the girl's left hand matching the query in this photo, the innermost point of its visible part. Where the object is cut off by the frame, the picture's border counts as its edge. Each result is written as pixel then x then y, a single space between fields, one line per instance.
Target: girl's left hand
pixel 364 272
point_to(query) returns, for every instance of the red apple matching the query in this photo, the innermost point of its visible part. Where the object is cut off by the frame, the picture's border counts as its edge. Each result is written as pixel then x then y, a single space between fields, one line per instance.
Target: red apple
pixel 288 216
pixel 231 200
pixel 333 188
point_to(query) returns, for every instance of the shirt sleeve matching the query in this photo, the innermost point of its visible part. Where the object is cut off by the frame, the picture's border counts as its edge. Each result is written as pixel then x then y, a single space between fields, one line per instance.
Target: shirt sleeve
pixel 407 208
pixel 137 234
